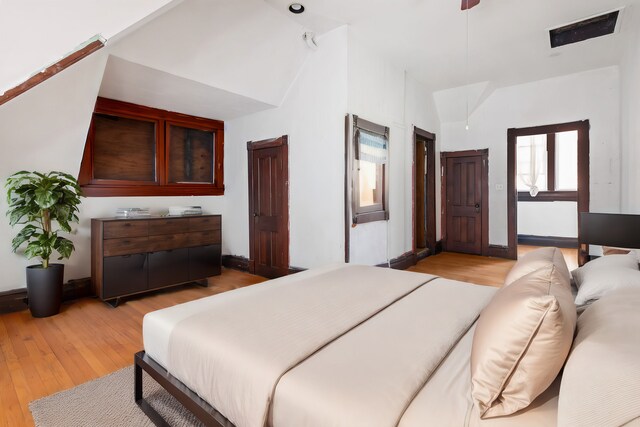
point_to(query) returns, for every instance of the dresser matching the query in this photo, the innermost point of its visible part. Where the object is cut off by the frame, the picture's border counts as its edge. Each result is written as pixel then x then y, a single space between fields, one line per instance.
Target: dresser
pixel 132 256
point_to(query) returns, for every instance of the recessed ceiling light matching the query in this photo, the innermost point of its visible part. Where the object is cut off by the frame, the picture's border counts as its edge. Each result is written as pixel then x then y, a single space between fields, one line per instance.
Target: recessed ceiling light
pixel 296 8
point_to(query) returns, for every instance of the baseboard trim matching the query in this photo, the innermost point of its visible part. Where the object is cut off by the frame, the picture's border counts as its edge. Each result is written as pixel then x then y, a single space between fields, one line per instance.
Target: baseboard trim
pixel 558 242
pixel 498 251
pixel 16 299
pixel 402 262
pixel 235 262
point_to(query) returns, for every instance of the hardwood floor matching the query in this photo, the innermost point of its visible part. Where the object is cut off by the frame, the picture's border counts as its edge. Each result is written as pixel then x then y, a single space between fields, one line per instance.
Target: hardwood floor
pixel 89 339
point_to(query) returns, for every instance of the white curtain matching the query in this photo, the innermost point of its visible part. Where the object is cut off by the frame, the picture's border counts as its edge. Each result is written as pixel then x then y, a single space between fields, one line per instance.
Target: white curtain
pixel 535 149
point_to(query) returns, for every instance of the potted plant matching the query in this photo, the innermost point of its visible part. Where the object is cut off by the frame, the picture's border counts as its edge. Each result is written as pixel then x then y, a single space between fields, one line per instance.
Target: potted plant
pixel 39 201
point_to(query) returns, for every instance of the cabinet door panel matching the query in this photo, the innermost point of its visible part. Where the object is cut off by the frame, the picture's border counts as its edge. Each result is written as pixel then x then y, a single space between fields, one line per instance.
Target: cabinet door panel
pixel 168 267
pixel 204 261
pixel 124 275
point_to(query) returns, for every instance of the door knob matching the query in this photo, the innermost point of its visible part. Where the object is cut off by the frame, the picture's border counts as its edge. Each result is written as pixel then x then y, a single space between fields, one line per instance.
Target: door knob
pixel 255 214
pixel 477 207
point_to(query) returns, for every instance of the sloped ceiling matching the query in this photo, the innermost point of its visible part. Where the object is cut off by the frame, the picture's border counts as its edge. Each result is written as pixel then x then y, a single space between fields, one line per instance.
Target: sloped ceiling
pixel 244 48
pixel 35 33
pixel 508 40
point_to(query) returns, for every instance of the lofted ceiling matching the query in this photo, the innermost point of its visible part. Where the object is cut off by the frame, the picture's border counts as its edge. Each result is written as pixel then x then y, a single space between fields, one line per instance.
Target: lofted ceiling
pixel 228 58
pixel 508 39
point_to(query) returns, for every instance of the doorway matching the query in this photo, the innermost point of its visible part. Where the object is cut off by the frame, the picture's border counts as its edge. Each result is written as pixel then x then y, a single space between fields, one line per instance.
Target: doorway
pixel 269 207
pixel 548 185
pixel 424 193
pixel 465 203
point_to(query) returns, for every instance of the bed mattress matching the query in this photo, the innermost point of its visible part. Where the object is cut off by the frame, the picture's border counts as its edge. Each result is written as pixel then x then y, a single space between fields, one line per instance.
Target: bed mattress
pixel 338 346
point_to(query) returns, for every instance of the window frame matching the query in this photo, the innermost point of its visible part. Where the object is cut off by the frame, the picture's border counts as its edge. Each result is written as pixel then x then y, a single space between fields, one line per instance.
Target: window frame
pixel 378 211
pixel 93 187
pixel 550 194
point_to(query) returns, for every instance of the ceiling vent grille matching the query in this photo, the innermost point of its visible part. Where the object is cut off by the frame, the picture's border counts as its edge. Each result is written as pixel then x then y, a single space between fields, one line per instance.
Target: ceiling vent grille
pixel 584 30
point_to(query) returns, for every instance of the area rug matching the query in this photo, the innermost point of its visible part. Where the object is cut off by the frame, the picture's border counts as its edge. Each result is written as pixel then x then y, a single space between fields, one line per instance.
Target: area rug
pixel 108 401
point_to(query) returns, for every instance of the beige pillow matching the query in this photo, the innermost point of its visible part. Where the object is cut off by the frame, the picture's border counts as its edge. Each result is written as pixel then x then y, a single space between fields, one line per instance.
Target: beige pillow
pixel 536 259
pixel 521 341
pixel 601 380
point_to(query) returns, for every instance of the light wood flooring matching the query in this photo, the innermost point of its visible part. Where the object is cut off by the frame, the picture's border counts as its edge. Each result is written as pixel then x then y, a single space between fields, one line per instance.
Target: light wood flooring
pixel 89 339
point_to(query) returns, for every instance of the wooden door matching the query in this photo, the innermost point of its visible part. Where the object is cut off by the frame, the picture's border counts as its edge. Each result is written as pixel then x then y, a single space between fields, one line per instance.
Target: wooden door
pixel 268 207
pixel 466 201
pixel 424 192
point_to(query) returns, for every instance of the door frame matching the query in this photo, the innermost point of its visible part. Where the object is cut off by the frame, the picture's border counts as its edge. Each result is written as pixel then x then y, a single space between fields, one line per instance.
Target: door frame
pixel 282 141
pixel 484 206
pixel 430 150
pixel 583 128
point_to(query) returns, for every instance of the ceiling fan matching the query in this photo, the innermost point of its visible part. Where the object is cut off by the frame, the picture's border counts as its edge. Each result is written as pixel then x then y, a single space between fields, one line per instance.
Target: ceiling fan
pixel 468 4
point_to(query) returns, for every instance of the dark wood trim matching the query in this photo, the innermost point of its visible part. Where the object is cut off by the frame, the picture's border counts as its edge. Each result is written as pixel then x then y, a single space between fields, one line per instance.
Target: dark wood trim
pixel 498 251
pixel 189 399
pixel 583 196
pixel 438 247
pixel 484 154
pixel 162 119
pixel 51 71
pixel 549 196
pixel 584 192
pixel 402 262
pixel 558 242
pixel 16 299
pixel 283 142
pixel 551 162
pixel 235 262
pixel 430 141
pixel 347 180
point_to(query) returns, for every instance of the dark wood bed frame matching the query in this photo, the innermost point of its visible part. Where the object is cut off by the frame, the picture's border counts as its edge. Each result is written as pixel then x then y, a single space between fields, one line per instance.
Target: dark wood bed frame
pixel 191 401
pixel 595 228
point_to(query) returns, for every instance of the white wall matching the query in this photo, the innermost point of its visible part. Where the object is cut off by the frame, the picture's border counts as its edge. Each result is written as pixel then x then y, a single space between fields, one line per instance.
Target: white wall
pixel 556 219
pixel 312 115
pixel 381 92
pixel 35 34
pixel 630 123
pixel 593 95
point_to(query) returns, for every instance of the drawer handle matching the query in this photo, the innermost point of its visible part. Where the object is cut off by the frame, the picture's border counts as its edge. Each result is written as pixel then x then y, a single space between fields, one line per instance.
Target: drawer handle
pixel 126 242
pixel 127 224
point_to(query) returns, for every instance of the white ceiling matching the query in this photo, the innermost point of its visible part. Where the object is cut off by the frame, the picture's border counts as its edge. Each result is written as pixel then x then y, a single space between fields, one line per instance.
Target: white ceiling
pixel 508 39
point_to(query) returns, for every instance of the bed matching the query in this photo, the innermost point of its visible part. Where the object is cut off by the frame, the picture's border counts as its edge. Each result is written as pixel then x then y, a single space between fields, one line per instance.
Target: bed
pixel 349 345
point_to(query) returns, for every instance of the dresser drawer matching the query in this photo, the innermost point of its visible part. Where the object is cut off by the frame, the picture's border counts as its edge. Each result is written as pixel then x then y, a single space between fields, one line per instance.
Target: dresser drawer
pixel 201 238
pixel 168 226
pixel 125 246
pixel 117 229
pixel 205 223
pixel 168 241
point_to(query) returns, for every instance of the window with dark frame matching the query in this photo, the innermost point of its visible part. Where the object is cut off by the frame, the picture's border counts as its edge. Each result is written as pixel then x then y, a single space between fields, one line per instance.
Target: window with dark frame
pixel 547 166
pixel 369 166
pixel 133 150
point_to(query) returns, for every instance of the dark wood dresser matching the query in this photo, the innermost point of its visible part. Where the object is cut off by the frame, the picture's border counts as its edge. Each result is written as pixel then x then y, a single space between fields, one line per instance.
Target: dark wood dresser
pixel 132 256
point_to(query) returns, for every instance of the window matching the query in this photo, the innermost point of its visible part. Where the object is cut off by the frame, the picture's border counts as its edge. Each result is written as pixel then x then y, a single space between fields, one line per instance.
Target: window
pixel 547 166
pixel 133 150
pixel 369 164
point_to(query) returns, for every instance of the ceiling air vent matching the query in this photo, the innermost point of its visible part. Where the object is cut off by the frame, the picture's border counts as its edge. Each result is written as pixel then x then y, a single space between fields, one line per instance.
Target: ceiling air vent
pixel 584 30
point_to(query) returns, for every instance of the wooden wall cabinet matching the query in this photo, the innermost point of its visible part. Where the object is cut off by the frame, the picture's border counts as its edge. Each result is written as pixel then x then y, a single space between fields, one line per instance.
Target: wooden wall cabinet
pixel 132 256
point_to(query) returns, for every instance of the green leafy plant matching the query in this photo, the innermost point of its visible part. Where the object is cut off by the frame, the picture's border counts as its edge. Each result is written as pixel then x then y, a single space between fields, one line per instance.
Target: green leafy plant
pixel 37 200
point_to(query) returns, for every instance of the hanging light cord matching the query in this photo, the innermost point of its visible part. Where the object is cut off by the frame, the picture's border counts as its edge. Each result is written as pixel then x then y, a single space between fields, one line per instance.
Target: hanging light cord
pixel 467 68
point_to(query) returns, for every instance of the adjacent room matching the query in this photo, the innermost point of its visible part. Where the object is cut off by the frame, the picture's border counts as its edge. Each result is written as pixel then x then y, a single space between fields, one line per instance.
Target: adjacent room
pixel 265 213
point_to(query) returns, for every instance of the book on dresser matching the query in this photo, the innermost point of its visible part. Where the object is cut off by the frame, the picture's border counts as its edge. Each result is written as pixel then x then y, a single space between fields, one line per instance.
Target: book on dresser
pixel 133 256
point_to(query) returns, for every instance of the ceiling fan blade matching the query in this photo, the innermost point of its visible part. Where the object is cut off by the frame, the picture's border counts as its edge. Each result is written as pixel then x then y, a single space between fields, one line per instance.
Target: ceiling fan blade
pixel 468 4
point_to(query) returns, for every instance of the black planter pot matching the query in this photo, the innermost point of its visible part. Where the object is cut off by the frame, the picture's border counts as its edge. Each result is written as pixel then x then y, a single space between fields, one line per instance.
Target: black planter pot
pixel 44 289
